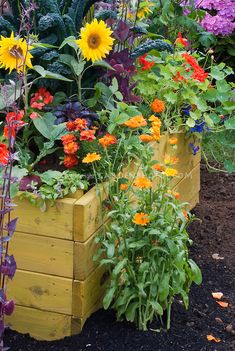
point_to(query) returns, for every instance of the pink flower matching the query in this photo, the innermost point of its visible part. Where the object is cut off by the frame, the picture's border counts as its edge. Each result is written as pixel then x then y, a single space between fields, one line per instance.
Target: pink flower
pixel 34 115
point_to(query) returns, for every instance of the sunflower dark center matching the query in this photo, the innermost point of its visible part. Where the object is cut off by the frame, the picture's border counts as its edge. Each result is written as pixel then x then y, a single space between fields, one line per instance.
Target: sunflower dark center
pixel 16 52
pixel 94 41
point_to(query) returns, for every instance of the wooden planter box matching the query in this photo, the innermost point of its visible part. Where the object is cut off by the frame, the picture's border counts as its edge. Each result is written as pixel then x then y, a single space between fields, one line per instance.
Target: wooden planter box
pixel 57 285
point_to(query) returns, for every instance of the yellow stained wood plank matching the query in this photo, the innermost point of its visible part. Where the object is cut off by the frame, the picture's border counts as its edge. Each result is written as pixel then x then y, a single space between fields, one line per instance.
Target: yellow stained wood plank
pixel 41 325
pixel 56 221
pixel 43 254
pixel 87 213
pixel 41 291
pixel 88 293
pixel 189 185
pixel 193 202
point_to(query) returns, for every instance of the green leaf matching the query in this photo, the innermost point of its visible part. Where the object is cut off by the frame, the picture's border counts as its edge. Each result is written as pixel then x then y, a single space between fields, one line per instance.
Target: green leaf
pixel 103 64
pixel 108 298
pixel 229 166
pixel 131 311
pixel 229 106
pixel 223 86
pixel 190 122
pixel 157 307
pixel 196 272
pixel 50 75
pixel 114 86
pixel 230 123
pixel 119 267
pixel 69 41
pixel 217 74
pixel 164 287
pixel 45 124
pixel 78 67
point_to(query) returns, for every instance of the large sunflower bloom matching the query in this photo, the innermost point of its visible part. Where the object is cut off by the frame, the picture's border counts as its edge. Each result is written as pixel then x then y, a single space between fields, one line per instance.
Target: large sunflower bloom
pixel 96 41
pixel 14 53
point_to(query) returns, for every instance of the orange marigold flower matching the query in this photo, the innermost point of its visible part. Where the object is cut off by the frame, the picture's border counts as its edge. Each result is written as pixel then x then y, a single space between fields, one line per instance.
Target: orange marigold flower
pixel 88 135
pixel 4 154
pixel 123 186
pixel 71 148
pixel 70 161
pixel 71 126
pixel 136 122
pixel 170 172
pixel 181 40
pixel 156 122
pixel 91 157
pixel 155 133
pixel 107 140
pixel 68 138
pixel 146 138
pixel 143 182
pixel 141 218
pixel 173 141
pixel 80 124
pixel 158 106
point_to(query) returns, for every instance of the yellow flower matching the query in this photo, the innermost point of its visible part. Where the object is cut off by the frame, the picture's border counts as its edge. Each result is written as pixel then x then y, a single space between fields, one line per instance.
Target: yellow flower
pixel 14 53
pixel 143 182
pixel 141 218
pixel 91 157
pixel 170 172
pixel 155 121
pixel 144 12
pixel 96 41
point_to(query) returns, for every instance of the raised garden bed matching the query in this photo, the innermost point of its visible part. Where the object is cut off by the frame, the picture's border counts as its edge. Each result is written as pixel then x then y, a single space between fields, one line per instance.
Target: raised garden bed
pixel 57 285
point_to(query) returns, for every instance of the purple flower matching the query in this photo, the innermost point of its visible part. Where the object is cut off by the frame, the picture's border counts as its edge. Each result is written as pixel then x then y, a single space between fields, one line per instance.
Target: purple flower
pixel 199 127
pixel 194 148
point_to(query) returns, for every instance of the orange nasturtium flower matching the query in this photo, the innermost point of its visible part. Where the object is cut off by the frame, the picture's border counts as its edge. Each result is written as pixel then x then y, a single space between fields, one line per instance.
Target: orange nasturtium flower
pixel 136 122
pixel 141 218
pixel 91 157
pixel 171 172
pixel 145 138
pixel 107 140
pixel 158 106
pixel 143 183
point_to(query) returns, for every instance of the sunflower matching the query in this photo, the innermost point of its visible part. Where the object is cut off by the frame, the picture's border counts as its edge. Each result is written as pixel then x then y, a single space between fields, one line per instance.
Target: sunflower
pixel 96 41
pixel 14 53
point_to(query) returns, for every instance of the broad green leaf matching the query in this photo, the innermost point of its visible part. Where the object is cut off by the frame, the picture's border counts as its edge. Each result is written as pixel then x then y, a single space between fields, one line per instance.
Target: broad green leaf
pixel 50 75
pixel 157 307
pixel 190 122
pixel 108 298
pixel 119 267
pixel 45 124
pixel 68 41
pixel 217 74
pixel 103 64
pixel 78 67
pixel 131 311
pixel 229 166
pixel 164 287
pixel 196 272
pixel 229 106
pixel 230 123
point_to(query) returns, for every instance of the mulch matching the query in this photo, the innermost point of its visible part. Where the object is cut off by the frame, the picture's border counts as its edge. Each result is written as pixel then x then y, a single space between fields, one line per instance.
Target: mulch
pixel 214 251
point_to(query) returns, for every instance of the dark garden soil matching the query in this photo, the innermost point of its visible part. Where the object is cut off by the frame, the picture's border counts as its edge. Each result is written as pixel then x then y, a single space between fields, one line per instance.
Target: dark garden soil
pixel 214 251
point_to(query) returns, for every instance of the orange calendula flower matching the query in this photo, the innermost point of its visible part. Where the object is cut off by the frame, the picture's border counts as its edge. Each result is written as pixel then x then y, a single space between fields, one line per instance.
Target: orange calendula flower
pixel 145 138
pixel 176 195
pixel 158 167
pixel 123 186
pixel 171 172
pixel 143 183
pixel 70 161
pixel 91 157
pixel 170 160
pixel 158 106
pixel 88 135
pixel 136 122
pixel 107 140
pixel 185 215
pixel 173 141
pixel 71 148
pixel 156 122
pixel 141 218
pixel 155 133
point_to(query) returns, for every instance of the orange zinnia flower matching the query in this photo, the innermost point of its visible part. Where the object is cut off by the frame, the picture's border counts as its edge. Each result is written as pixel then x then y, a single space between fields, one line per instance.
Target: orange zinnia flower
pixel 143 183
pixel 71 148
pixel 173 141
pixel 91 157
pixel 88 135
pixel 70 161
pixel 146 138
pixel 158 106
pixel 107 140
pixel 141 218
pixel 136 122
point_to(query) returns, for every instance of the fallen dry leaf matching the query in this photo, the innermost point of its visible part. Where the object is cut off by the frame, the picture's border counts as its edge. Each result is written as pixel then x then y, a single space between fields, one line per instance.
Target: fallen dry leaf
pixel 217 295
pixel 222 304
pixel 212 338
pixel 217 257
